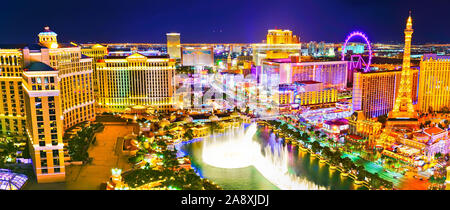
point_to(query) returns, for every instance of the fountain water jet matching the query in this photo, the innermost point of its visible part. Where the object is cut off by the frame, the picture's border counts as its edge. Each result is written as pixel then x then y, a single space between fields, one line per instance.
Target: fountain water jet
pixel 236 149
pixel 230 150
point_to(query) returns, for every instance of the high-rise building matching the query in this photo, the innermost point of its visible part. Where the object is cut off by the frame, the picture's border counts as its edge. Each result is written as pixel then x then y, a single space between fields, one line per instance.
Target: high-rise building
pixel 76 79
pixel 333 74
pixel 173 45
pixel 136 82
pixel 355 48
pixel 278 36
pixel 12 112
pixel 197 56
pixel 403 113
pixel 44 121
pixel 374 92
pixel 280 44
pixel 306 93
pixel 68 97
pixel 96 52
pixel 434 85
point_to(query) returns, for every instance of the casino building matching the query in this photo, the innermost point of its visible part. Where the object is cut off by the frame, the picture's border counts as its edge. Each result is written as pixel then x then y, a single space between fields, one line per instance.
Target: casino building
pixel 434 83
pixel 197 56
pixel 173 45
pixel 333 74
pixel 67 98
pixel 374 92
pixel 97 52
pixel 44 121
pixel 306 93
pixel 136 82
pixel 279 44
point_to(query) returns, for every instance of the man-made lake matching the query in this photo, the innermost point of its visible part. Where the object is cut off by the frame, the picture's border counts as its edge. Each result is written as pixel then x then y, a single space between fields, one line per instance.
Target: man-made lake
pixel 253 158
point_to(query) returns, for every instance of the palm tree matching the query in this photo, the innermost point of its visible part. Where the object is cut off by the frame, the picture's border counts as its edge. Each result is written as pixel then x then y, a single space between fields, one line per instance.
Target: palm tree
pixel 326 152
pixel 315 147
pixel 362 173
pixel 189 135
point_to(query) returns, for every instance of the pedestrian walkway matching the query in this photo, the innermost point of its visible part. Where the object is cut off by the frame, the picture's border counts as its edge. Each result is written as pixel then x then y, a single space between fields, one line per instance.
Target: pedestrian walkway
pixel 105 157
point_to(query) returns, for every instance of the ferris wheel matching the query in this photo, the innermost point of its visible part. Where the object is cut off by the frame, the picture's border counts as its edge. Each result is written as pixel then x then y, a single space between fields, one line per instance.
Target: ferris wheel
pixel 360 59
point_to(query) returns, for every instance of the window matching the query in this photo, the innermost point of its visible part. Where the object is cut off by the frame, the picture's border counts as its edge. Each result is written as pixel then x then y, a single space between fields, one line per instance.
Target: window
pixel 56 162
pixel 42 143
pixel 54 136
pixel 57 170
pixel 44 171
pixel 55 153
pixel 43 163
pixel 38 105
pixel 43 154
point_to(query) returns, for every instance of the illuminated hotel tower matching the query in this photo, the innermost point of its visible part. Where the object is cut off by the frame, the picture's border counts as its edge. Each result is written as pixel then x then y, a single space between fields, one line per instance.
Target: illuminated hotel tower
pixel 403 111
pixel 173 45
pixel 374 92
pixel 279 44
pixel 12 112
pixel 53 93
pixel 44 121
pixel 96 52
pixel 136 82
pixel 434 91
pixel 75 73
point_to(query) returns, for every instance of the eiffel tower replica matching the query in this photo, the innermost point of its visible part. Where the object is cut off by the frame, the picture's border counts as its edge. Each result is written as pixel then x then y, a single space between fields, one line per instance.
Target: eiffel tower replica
pixel 403 119
pixel 403 114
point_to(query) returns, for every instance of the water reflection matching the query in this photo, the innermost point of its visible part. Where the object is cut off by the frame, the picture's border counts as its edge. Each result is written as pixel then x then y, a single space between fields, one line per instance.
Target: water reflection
pixel 260 163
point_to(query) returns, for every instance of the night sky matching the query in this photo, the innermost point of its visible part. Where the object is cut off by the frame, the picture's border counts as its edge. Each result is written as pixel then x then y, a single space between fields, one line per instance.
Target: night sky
pixel 214 21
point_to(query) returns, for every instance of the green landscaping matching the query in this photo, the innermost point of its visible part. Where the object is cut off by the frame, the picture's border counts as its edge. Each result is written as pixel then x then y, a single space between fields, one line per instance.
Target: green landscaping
pixel 79 143
pixel 334 156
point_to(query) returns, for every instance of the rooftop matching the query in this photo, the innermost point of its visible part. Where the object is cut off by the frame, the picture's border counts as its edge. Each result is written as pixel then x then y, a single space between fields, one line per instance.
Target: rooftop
pixel 307 82
pixel 420 135
pixel 126 56
pixel 355 137
pixel 433 131
pixel 341 121
pixel 39 66
pixel 21 46
pixel 47 31
pixel 434 57
pixel 11 181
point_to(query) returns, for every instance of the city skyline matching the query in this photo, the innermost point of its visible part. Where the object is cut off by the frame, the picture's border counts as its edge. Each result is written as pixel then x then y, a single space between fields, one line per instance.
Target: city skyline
pixel 147 22
pixel 166 100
